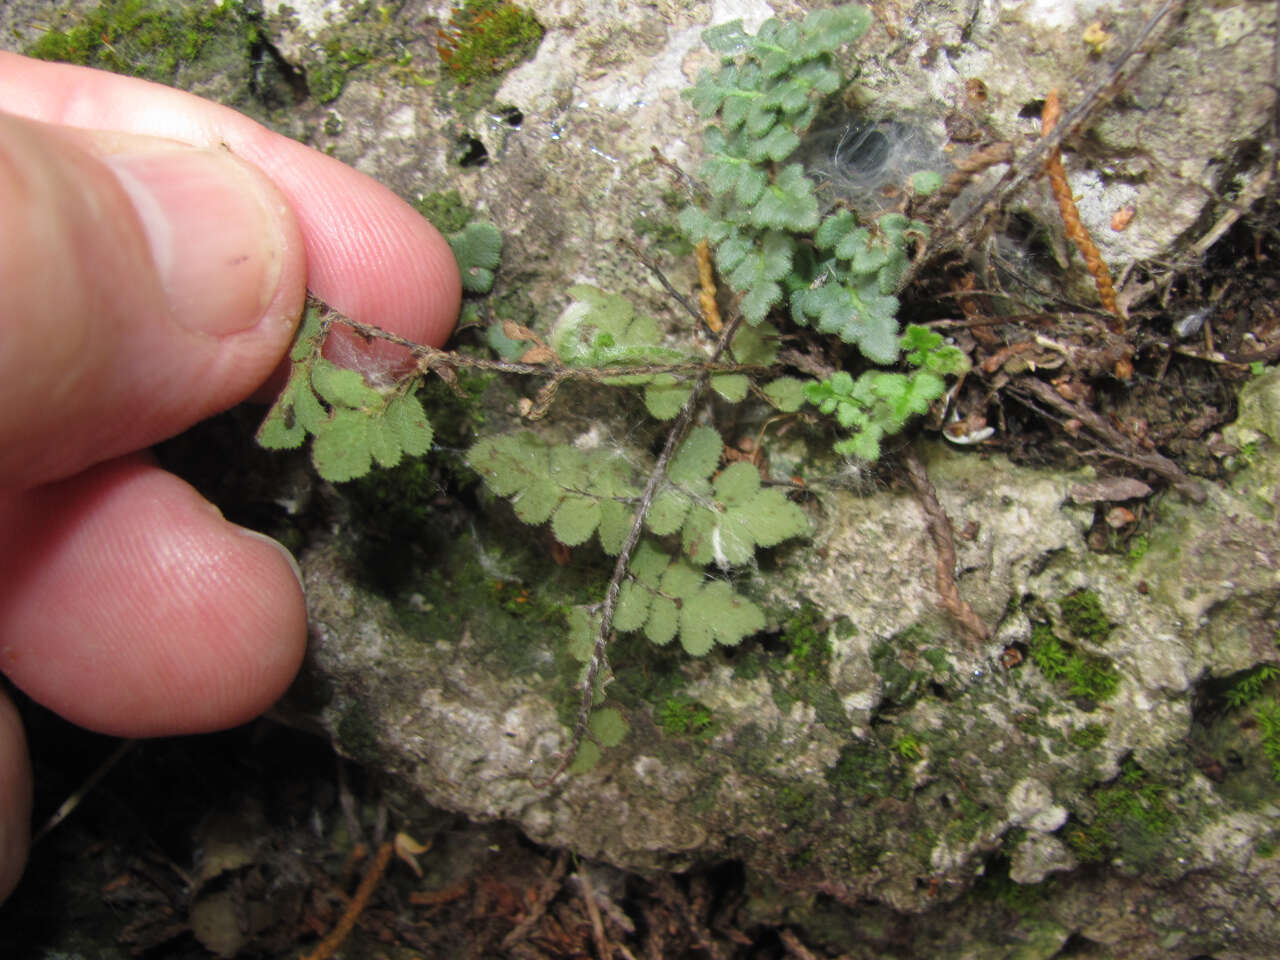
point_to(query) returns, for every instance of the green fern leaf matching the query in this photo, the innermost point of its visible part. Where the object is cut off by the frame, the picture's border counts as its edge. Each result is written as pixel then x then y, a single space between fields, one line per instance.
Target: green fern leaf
pixel 537 500
pixel 608 727
pixel 308 339
pixel 478 250
pixel 697 457
pixel 859 315
pixel 511 462
pixel 665 397
pixel 280 429
pixel 777 145
pixel 774 518
pixel 575 519
pixel 343 388
pixel 384 442
pixel 663 622
pixel 633 606
pixel 615 524
pixel 728 39
pixel 405 416
pixel 731 616
pixel 585 760
pixel 785 393
pixel 680 580
pixel 788 203
pixel 825 31
pixel 756 344
pixel 667 512
pixel 277 432
pixel 697 635
pixel 732 386
pixel 341 449
pixel 583 628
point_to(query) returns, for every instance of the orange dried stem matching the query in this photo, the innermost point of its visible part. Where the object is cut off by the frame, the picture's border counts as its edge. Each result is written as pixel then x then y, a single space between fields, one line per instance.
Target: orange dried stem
pixel 327 947
pixel 1075 229
pixel 707 288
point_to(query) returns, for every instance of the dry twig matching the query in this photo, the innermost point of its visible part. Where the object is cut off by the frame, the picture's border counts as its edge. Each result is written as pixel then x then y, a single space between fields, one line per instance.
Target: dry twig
pixel 546 891
pixel 329 945
pixel 1030 166
pixel 1121 446
pixel 794 947
pixel 603 950
pixel 939 527
pixel 73 801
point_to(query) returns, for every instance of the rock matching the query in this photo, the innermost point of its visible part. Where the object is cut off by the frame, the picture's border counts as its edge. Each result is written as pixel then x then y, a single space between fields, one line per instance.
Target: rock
pixel 862 760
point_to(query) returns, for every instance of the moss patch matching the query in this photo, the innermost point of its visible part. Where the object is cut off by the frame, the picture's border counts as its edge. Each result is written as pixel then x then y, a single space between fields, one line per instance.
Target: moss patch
pixel 143 38
pixel 485 38
pixel 1131 820
pixel 682 717
pixel 1086 677
pixel 1082 613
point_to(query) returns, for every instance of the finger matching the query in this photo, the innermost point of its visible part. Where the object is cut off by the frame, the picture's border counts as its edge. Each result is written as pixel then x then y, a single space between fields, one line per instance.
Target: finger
pixel 147 285
pixel 15 797
pixel 371 255
pixel 131 607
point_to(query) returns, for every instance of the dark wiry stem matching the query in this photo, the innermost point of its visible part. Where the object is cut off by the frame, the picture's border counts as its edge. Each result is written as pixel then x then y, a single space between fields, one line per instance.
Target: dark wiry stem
pixel 599 652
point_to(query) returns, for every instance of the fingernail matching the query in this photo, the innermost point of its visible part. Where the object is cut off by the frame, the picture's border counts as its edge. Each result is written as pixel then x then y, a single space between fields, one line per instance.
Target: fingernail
pixel 285 552
pixel 215 230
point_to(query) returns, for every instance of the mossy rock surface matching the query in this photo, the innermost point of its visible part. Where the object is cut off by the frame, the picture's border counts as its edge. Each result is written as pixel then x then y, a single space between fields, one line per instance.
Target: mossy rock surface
pixel 883 781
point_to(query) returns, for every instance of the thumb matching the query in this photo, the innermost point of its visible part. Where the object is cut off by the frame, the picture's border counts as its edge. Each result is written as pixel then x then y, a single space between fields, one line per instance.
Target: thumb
pixel 147 284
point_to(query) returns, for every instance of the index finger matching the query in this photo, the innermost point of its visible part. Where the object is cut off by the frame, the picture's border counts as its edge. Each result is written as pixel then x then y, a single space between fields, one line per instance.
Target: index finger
pixel 370 255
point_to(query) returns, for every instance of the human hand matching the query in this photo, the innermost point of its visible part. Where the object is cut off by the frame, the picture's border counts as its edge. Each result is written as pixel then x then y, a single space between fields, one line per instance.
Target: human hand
pixel 155 251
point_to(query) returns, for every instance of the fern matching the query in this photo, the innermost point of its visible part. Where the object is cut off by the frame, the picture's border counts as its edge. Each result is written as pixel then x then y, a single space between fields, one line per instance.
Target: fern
pixel 879 403
pixel 679 525
pixel 722 521
pixel 354 425
pixel 478 248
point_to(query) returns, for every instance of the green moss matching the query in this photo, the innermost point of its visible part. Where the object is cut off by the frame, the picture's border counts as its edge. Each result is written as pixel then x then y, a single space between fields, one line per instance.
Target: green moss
pixel 1139 546
pixel 1082 613
pixel 485 38
pixel 1250 685
pixel 684 717
pixel 901 685
pixel 1131 820
pixel 909 748
pixel 796 664
pixel 794 804
pixel 868 770
pixel 647 676
pixel 808 648
pixel 1084 676
pixel 144 38
pixel 663 234
pixel 1088 736
pixel 1267 715
pixel 996 885
pixel 446 210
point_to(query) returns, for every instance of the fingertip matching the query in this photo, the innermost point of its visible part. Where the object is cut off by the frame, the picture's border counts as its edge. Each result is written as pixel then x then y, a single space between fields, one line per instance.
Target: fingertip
pixel 135 609
pixel 371 256
pixel 15 797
